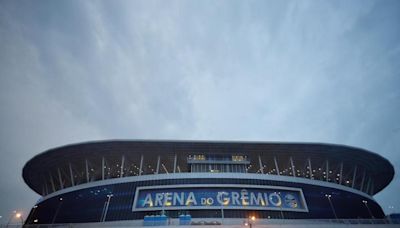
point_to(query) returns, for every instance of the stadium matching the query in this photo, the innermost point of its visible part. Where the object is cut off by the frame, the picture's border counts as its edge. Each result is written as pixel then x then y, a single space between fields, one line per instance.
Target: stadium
pixel 151 182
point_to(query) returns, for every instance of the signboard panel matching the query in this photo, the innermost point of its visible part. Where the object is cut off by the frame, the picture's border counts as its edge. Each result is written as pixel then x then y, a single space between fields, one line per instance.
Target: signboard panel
pixel 183 197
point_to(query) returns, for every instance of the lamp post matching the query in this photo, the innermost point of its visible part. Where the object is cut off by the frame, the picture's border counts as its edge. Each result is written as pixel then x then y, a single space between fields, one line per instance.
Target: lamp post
pixel 328 196
pixel 108 203
pixel 17 215
pixel 250 221
pixel 280 205
pixel 369 211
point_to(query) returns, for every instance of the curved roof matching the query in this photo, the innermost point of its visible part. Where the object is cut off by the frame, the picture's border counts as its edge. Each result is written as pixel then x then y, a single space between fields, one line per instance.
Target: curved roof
pixel 50 162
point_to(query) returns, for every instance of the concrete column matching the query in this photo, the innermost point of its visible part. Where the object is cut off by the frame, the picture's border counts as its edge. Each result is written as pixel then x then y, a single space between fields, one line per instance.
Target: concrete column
pixel 309 168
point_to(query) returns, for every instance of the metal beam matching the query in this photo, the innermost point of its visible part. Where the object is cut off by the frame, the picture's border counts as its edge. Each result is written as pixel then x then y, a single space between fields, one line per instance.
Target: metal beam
pixel 362 181
pixel 103 164
pixel 60 179
pixel 341 173
pixel 87 170
pixel 261 165
pixel 292 165
pixel 327 170
pixel 141 165
pixel 372 187
pixel 72 174
pixel 368 184
pixel 309 168
pixel 175 159
pixel 276 166
pixel 122 166
pixel 165 169
pixel 52 182
pixel 354 176
pixel 45 185
pixel 158 164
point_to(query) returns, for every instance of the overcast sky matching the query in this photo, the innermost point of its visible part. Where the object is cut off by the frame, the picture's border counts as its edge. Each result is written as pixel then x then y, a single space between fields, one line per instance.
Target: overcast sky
pixel 315 71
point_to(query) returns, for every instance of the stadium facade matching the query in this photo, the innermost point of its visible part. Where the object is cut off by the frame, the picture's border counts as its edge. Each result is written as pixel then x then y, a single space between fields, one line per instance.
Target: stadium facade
pixel 128 180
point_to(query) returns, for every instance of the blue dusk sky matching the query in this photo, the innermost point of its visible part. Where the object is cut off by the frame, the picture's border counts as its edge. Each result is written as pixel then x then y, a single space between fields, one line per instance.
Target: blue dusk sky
pixel 302 71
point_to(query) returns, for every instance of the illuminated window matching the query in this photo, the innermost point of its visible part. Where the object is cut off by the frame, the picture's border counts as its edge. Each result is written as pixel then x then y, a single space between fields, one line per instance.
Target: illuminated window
pixel 199 157
pixel 237 158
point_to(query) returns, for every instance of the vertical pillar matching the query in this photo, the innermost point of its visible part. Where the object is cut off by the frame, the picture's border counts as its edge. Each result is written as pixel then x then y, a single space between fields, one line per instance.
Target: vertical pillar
pixel 103 164
pixel 158 164
pixel 362 181
pixel 72 174
pixel 341 173
pixel 87 170
pixel 261 165
pixel 175 159
pixel 52 182
pixel 141 165
pixel 327 170
pixel 372 187
pixel 309 168
pixel 45 185
pixel 276 165
pixel 292 165
pixel 59 178
pixel 354 176
pixel 122 166
pixel 368 185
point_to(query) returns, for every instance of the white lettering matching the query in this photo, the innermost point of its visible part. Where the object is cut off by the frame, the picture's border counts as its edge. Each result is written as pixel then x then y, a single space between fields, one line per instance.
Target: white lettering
pixel 148 201
pixel 158 200
pixel 256 200
pixel 223 200
pixel 244 197
pixel 191 200
pixel 178 198
pixel 235 198
pixel 275 199
pixel 167 199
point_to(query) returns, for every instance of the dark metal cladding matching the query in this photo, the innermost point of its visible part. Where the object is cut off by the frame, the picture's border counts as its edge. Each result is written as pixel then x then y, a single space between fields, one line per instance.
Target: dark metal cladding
pixel 41 166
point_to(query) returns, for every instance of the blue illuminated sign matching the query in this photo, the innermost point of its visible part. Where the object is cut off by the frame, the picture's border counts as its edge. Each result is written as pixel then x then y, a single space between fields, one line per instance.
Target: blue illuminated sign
pixel 184 197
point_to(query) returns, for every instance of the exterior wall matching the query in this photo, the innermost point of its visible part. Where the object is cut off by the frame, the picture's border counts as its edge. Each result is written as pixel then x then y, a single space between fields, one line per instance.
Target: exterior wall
pixel 86 203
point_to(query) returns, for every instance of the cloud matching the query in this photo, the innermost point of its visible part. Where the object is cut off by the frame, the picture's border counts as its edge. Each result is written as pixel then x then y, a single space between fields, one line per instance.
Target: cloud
pixel 271 71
